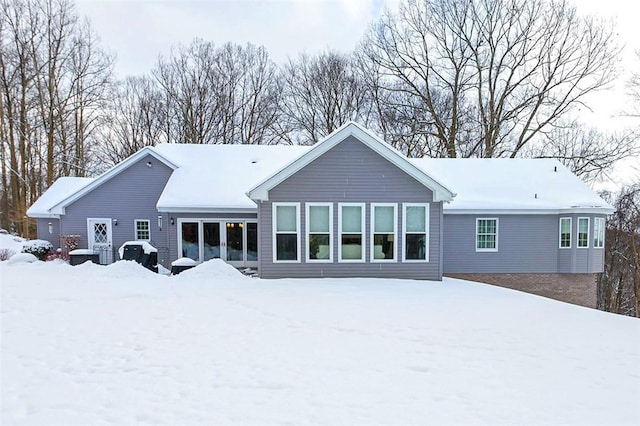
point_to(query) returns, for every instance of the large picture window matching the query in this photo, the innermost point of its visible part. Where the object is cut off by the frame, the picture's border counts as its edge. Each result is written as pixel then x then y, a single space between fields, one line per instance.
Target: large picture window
pixel 583 232
pixel 143 230
pixel 286 238
pixel 383 232
pixel 565 232
pixel 486 234
pixel 351 225
pixel 598 232
pixel 415 238
pixel 319 232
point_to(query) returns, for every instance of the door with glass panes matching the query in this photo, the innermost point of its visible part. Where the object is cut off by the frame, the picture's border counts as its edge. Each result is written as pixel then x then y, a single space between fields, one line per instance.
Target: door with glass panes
pixel 234 241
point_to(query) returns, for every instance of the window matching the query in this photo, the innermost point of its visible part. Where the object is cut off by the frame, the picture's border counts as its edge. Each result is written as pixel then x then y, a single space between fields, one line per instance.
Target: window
pixel 351 224
pixel 486 234
pixel 583 232
pixel 319 232
pixel 286 235
pixel 383 232
pixel 415 238
pixel 565 232
pixel 142 230
pixel 598 232
pixel 190 240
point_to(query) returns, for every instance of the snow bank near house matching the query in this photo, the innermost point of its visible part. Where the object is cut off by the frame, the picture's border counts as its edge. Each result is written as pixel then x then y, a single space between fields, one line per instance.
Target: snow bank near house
pixel 11 242
pixel 214 269
pixel 22 258
pixel 121 345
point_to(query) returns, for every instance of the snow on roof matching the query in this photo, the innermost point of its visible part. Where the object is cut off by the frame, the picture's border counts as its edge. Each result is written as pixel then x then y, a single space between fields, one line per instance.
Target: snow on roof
pixel 61 189
pixel 217 177
pixel 512 184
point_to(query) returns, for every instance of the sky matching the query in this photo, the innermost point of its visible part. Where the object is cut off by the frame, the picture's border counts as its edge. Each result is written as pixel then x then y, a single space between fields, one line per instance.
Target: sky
pixel 137 31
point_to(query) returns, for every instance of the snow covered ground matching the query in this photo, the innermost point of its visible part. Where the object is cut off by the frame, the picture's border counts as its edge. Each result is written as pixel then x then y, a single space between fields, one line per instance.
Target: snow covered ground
pixel 119 345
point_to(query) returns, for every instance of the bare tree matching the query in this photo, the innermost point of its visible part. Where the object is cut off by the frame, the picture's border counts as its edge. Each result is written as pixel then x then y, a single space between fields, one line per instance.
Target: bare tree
pixel 588 152
pixel 218 95
pixel 507 69
pixel 52 82
pixel 135 120
pixel 321 93
pixel 619 284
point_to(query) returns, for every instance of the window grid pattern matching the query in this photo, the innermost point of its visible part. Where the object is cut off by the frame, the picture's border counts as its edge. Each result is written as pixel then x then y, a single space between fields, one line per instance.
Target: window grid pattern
pixel 583 232
pixel 142 230
pixel 486 234
pixel 565 232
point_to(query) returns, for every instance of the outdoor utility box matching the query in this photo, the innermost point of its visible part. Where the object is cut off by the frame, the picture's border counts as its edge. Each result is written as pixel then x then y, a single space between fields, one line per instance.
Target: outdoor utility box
pixel 140 252
pixel 79 256
pixel 182 264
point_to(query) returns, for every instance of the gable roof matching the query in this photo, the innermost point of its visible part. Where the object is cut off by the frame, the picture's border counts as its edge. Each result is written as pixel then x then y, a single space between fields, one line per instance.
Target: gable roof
pixel 440 192
pixel 62 188
pixel 215 178
pixel 509 186
pixel 58 208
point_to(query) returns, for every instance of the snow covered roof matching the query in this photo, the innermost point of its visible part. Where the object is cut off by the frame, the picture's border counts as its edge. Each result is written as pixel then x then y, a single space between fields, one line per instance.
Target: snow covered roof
pixel 512 186
pixel 217 177
pixel 61 189
pixel 368 138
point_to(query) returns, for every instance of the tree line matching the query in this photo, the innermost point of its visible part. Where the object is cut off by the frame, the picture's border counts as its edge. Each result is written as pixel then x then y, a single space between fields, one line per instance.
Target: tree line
pixel 438 78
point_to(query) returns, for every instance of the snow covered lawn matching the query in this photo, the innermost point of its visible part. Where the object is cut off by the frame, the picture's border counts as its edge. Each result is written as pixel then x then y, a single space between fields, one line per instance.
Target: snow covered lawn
pixel 92 345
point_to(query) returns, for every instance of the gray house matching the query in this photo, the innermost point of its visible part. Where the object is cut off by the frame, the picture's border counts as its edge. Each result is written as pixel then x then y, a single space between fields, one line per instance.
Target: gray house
pixel 350 206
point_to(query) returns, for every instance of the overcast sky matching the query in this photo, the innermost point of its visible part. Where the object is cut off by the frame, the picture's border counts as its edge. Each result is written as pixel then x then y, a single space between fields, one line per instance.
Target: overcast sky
pixel 139 30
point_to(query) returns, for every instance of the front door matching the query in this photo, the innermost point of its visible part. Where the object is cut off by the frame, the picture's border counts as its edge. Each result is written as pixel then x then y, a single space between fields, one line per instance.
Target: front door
pixel 99 238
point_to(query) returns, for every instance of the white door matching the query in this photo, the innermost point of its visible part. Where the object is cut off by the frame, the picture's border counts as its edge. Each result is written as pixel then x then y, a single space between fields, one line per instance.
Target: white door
pixel 100 240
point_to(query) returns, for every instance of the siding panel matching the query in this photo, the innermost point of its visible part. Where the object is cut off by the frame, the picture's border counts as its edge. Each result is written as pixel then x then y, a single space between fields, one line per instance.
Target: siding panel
pixel 132 194
pixel 350 173
pixel 526 244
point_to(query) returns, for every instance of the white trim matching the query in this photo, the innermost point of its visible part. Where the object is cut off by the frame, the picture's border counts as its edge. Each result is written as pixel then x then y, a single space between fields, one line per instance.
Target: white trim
pixel 440 192
pixel 570 210
pixel 372 232
pixel 602 229
pixel 578 233
pixel 135 229
pixel 427 242
pixel 223 237
pixel 109 223
pixel 114 171
pixel 308 232
pixel 274 233
pixel 362 232
pixel 560 233
pixel 484 250
pixel 200 210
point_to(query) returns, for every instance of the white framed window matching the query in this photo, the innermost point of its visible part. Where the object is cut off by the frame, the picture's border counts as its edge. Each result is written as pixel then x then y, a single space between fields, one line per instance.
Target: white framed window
pixel 598 232
pixel 319 228
pixel 487 234
pixel 286 232
pixel 142 229
pixel 583 232
pixel 415 232
pixel 565 232
pixel 350 232
pixel 384 223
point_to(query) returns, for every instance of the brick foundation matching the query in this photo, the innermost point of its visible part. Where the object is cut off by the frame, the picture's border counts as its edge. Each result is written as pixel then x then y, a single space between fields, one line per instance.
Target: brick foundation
pixel 579 289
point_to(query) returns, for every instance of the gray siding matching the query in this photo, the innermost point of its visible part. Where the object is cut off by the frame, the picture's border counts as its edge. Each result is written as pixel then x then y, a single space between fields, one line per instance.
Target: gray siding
pixel 43 231
pixel 526 244
pixel 173 231
pixel 350 172
pixel 130 195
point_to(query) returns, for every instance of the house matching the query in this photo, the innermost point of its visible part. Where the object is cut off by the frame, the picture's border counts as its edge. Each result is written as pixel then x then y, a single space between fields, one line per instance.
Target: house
pixel 351 205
